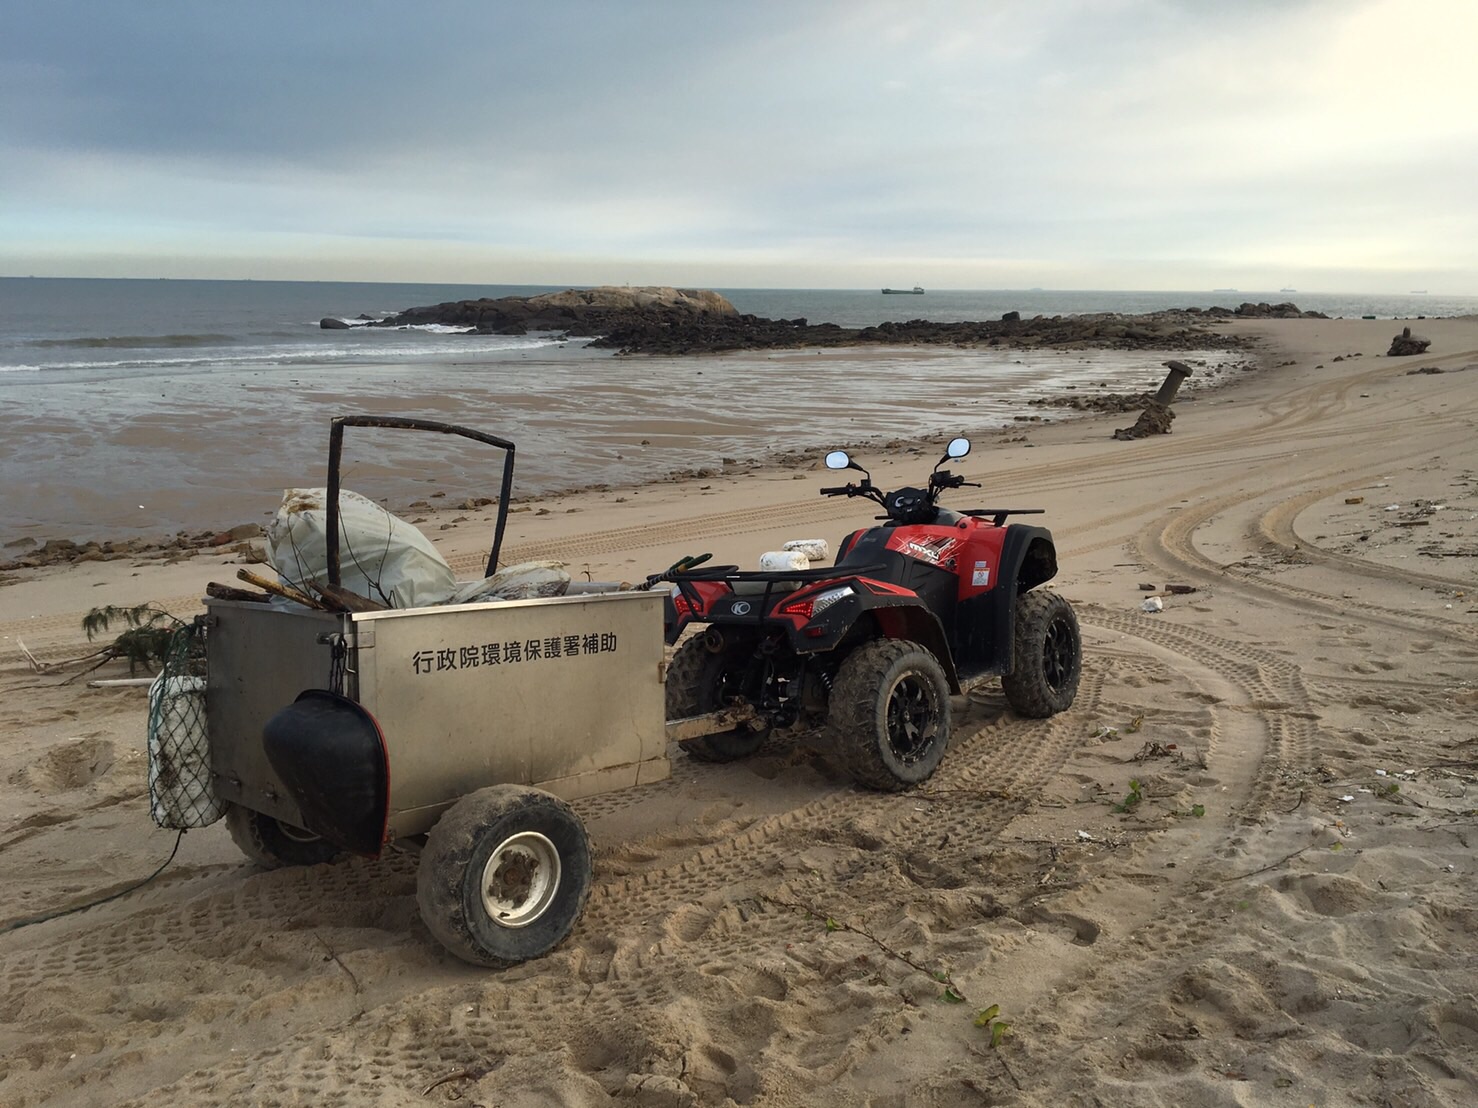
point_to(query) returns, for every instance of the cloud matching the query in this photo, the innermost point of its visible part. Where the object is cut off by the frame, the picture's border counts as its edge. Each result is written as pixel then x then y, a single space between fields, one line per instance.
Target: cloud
pixel 981 140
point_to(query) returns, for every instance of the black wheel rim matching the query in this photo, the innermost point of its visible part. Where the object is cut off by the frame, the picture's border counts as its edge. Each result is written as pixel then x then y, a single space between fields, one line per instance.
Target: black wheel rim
pixel 721 685
pixel 1059 650
pixel 913 718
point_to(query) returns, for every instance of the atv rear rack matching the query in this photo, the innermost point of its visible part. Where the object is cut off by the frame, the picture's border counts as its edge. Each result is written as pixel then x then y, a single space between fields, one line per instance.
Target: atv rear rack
pixel 792 578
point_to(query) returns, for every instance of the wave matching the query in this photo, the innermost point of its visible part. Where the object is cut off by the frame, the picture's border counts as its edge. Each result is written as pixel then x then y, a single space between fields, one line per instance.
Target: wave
pixel 279 356
pixel 135 342
pixel 429 328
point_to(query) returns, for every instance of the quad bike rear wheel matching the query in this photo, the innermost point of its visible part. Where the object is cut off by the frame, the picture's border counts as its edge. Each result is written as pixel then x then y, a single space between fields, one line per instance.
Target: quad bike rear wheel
pixel 890 714
pixel 1047 658
pixel 700 681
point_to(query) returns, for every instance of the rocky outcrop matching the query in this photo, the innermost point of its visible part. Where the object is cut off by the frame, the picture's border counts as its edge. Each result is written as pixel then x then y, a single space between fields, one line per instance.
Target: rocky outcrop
pixel 333 323
pixel 1406 344
pixel 689 321
pixel 31 554
pixel 1169 331
pixel 1100 402
pixel 574 311
pixel 1264 310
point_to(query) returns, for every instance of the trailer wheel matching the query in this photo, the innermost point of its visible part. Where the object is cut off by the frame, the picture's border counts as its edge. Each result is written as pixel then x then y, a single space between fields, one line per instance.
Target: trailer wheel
pixel 697 682
pixel 1047 656
pixel 271 843
pixel 504 875
pixel 889 714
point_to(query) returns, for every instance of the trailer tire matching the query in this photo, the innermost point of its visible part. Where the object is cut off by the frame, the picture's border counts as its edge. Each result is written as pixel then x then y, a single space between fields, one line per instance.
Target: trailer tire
pixel 694 680
pixel 504 876
pixel 890 714
pixel 272 844
pixel 1047 656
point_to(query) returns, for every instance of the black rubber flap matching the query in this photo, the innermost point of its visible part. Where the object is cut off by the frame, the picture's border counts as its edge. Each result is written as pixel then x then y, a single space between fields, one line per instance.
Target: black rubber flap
pixel 331 756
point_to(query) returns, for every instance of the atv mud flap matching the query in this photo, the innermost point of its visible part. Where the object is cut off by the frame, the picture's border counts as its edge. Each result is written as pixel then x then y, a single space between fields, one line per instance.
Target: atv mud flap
pixel 330 755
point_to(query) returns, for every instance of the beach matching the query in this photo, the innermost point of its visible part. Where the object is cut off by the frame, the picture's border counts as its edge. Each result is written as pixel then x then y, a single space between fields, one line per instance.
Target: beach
pixel 1237 871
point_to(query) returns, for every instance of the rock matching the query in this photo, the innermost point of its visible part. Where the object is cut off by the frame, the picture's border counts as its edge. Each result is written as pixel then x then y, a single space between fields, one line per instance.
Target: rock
pixel 1265 310
pixel 236 534
pixel 1406 344
pixel 24 543
pixel 1154 420
pixel 1011 317
pixel 332 323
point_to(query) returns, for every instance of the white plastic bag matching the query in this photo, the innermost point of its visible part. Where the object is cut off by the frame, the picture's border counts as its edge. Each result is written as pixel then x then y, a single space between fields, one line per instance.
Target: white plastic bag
pixel 525 581
pixel 380 555
pixel 181 792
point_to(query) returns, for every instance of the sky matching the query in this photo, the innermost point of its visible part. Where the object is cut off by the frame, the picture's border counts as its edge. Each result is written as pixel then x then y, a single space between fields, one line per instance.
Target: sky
pixel 1325 145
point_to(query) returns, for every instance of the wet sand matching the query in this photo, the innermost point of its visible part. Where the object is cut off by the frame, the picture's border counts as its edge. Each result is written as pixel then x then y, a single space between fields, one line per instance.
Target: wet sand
pixel 1284 916
pixel 147 457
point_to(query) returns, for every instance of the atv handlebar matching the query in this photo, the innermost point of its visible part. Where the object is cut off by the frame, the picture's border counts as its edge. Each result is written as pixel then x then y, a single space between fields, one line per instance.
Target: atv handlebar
pixel 947 480
pixel 905 505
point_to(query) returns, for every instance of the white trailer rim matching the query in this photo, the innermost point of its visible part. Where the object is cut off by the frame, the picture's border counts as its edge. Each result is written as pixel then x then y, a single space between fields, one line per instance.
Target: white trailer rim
pixel 520 879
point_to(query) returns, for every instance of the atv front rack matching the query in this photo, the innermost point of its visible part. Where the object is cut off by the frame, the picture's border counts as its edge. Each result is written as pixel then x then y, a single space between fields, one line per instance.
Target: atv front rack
pixel 998 515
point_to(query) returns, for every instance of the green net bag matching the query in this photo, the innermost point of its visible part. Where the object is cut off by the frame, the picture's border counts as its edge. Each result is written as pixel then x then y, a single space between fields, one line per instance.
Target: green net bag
pixel 181 794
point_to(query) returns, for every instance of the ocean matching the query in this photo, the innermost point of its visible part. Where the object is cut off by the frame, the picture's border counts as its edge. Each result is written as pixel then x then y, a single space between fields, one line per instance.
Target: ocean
pixel 136 407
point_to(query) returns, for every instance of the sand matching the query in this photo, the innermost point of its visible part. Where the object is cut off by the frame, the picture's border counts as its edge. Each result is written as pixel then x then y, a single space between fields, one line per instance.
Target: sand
pixel 1284 916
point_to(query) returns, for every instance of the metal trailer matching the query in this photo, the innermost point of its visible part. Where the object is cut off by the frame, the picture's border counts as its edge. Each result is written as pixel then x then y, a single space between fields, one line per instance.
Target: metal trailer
pixel 464 728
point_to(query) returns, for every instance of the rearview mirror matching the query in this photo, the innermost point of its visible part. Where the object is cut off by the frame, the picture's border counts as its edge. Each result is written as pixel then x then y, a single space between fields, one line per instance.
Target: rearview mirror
pixel 957 448
pixel 838 459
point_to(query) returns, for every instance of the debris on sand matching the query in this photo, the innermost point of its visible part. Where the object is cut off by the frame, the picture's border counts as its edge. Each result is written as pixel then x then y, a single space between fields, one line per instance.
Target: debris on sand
pixel 1406 343
pixel 1154 420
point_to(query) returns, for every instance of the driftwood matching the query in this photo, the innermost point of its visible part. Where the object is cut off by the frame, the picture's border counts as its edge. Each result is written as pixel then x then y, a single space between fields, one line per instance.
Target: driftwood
pixel 218 591
pixel 287 592
pixel 46 667
pixel 330 598
pixel 342 599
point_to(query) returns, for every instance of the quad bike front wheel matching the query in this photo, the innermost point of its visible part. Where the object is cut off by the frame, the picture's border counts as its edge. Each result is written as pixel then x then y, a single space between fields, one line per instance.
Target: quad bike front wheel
pixel 890 714
pixel 270 843
pixel 700 681
pixel 1047 657
pixel 504 876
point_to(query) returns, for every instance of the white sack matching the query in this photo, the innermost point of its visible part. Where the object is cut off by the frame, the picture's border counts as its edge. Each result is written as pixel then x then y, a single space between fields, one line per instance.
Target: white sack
pixel 380 555
pixel 782 561
pixel 817 550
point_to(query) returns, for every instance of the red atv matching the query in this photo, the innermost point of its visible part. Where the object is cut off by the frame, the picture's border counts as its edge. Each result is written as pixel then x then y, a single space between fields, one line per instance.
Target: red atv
pixel 925 605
